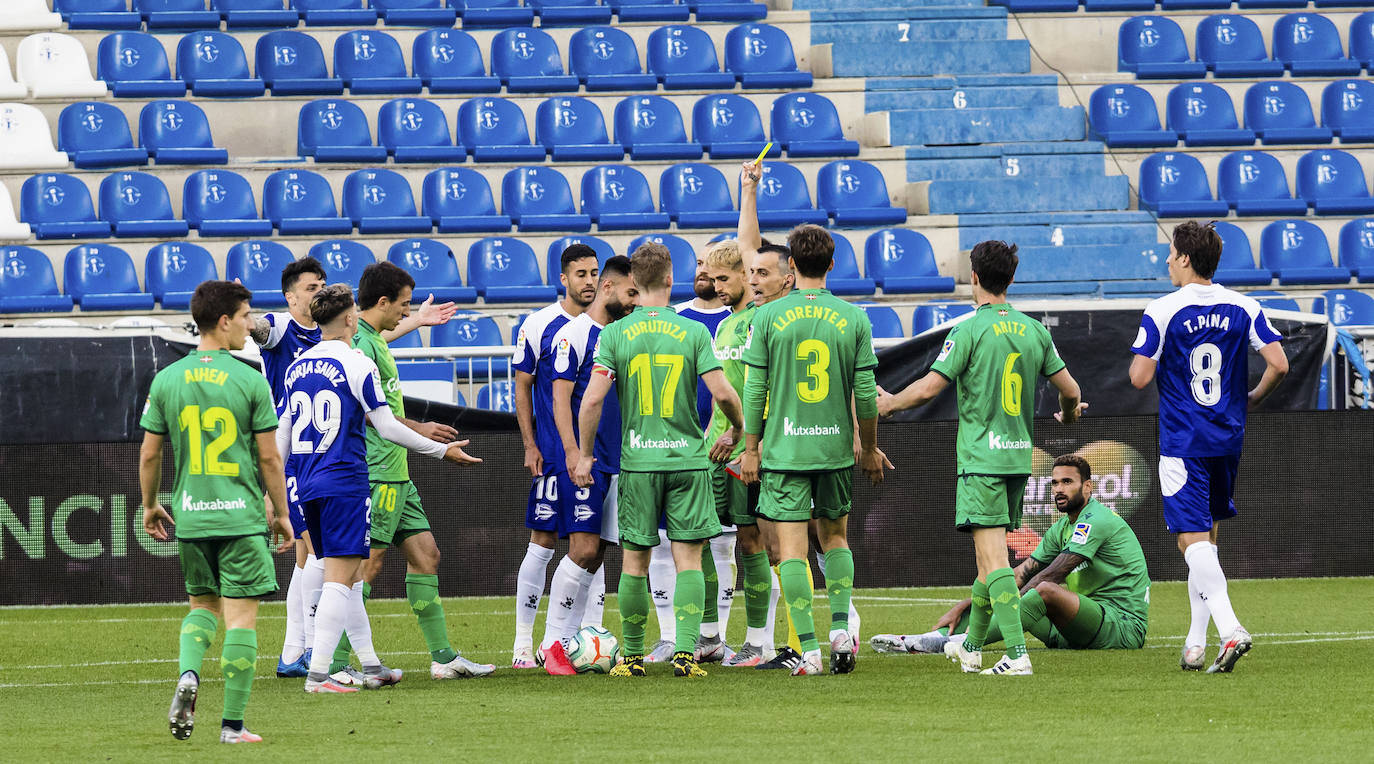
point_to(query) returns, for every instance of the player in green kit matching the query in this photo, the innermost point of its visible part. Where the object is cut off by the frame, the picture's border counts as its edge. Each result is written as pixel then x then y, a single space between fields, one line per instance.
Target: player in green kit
pixel 995 357
pixel 218 413
pixel 654 357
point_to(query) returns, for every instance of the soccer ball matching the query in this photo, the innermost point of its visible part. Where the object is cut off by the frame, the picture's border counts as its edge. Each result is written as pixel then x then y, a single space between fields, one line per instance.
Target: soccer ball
pixel 594 650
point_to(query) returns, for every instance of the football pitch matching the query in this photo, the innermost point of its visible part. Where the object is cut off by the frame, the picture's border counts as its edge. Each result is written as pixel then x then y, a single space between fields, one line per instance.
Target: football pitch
pixel 93 684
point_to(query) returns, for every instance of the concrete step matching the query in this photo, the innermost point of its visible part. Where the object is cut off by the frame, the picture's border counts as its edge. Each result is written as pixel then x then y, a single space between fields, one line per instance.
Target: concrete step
pixel 1007 166
pixel 923 30
pixel 942 127
pixel 1039 194
pixel 921 58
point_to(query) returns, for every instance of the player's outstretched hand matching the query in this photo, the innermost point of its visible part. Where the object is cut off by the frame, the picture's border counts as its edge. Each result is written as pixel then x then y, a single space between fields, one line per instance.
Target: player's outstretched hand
pixel 723 447
pixel 152 522
pixel 436 431
pixel 749 467
pixel 457 455
pixel 431 314
pixel 283 536
pixel 1070 417
pixel 749 175
pixel 886 403
pixel 872 462
pixel 582 473
pixel 534 461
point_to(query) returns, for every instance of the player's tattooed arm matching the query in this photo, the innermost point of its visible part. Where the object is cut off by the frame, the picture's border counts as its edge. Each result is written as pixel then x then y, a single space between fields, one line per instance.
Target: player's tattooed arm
pixel 261 330
pixel 1057 571
pixel 1026 570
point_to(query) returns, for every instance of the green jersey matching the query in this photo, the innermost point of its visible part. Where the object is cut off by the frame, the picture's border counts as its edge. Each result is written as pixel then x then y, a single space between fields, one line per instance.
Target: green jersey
pixel 386 461
pixel 1115 570
pixel 994 358
pixel 210 405
pixel 808 353
pixel 731 334
pixel 655 356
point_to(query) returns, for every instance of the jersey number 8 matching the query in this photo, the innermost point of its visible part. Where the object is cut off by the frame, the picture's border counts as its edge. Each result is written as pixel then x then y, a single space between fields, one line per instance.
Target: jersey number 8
pixel 1205 361
pixel 322 414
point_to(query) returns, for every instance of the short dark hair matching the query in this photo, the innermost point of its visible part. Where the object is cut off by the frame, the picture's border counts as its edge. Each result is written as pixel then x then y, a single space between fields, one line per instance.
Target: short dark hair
pixel 330 302
pixel 572 254
pixel 618 265
pixel 1085 473
pixel 293 272
pixel 812 249
pixel 213 299
pixel 995 263
pixel 384 279
pixel 1202 245
pixel 781 252
pixel 652 265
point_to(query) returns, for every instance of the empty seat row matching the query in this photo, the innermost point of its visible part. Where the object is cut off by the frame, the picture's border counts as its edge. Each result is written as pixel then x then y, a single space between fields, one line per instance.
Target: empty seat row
pixel 1117 6
pixel 98 135
pixel 887 324
pixel 1228 45
pixel 1296 252
pixel 1253 183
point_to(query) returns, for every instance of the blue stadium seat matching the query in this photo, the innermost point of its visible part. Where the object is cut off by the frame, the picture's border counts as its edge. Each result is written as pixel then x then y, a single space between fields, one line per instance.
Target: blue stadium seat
pixel 380 201
pixel 684 58
pixel 1357 249
pixel 784 198
pixel 1094 6
pixel 58 206
pixel 493 13
pixel 617 198
pixel 415 13
pixel 1362 37
pixel 606 58
pixel 1125 116
pixel 134 65
pixel 471 330
pixel 1058 6
pixel 650 127
pixel 177 132
pixel 696 196
pixel 807 125
pixel 101 277
pixel 434 268
pixel 729 127
pixel 416 130
pixel 176 14
pixel 1333 183
pixel 1202 113
pixel 1195 5
pixel 727 10
pixel 371 62
pixel 553 258
pixel 1237 266
pixel 302 202
pixel 98 14
pixel 1154 48
pixel 494 130
pixel 220 203
pixel 214 64
pixel 292 63
pixel 335 13
pixel 174 269
pixel 1348 109
pixel 258 265
pixel 650 10
pixel 854 194
pixel 413 340
pixel 554 13
pixel 97 135
pixel 335 130
pixel 504 269
pixel 1310 45
pixel 27 283
pixel 928 315
pixel 1297 251
pixel 137 204
pixel 497 396
pixel 450 61
pixel 760 55
pixel 256 14
pixel 1253 183
pixel 683 256
pixel 885 321
pixel 540 199
pixel 343 260
pixel 527 61
pixel 1279 112
pixel 1348 307
pixel 1271 301
pixel 1232 46
pixel 901 260
pixel 844 278
pixel 572 129
pixel 459 200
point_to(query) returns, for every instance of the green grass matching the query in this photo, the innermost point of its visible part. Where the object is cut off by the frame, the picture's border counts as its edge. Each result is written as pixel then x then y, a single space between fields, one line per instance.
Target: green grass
pixel 93 683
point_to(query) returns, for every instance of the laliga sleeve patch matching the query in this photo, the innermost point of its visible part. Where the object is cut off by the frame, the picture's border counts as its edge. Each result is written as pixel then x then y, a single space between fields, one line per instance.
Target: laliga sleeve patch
pixel 561 355
pixel 944 350
pixel 1081 532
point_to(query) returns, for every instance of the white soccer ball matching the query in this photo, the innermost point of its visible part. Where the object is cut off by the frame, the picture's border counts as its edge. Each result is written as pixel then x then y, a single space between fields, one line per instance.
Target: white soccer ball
pixel 594 650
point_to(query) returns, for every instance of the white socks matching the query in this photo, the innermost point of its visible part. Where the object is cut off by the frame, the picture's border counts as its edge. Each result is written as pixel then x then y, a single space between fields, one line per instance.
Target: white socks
pixel 329 626
pixel 727 570
pixel 593 613
pixel 662 583
pixel 1197 627
pixel 772 610
pixel 293 646
pixel 567 600
pixel 358 628
pixel 529 588
pixel 312 579
pixel 1204 575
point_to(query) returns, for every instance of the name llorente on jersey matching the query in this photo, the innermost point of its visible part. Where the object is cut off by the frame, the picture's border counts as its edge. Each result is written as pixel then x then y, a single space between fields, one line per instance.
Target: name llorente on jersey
pixel 321 366
pixel 1207 321
pixel 829 315
pixel 639 441
pixel 1002 442
pixel 200 505
pixel 791 430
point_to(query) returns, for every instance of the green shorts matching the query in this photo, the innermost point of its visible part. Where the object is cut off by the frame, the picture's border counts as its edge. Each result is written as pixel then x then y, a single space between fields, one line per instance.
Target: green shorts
pixel 683 497
pixel 1098 626
pixel 238 568
pixel 989 501
pixel 735 501
pixel 396 513
pixel 796 497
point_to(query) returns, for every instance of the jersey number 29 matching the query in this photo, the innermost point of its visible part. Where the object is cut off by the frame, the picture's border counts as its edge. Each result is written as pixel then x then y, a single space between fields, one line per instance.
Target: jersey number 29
pixel 322 413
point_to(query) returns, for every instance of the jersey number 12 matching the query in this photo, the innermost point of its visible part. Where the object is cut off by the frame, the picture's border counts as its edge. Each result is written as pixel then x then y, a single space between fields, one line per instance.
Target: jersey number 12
pixel 195 423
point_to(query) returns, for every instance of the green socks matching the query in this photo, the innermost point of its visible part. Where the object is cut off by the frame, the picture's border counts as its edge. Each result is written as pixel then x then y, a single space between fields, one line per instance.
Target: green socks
pixel 1034 618
pixel 758 584
pixel 345 648
pixel 839 586
pixel 794 575
pixel 688 598
pixel 1006 605
pixel 422 590
pixel 710 583
pixel 634 612
pixel 197 632
pixel 980 613
pixel 236 661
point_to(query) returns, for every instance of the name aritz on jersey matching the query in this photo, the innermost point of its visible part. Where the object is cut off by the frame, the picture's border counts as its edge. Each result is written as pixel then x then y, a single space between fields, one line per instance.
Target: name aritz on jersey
pixel 790 429
pixel 325 367
pixel 639 441
pixel 811 311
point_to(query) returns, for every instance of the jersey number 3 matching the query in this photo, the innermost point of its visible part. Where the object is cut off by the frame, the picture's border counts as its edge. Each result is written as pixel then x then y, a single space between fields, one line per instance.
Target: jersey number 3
pixel 195 423
pixel 817 384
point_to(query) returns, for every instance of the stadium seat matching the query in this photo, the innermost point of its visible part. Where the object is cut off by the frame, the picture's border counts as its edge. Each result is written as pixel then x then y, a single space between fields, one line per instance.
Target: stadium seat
pixel 174 269
pixel 415 13
pixel 176 15
pixel 1154 48
pixel 1297 252
pixel 1348 109
pixel 434 268
pixel 854 194
pixel 727 10
pixel 380 201
pixel 220 203
pixel 1270 300
pixel 10 227
pixel 416 130
pixel 1279 113
pixel 137 204
pixel 335 130
pixel 1348 307
pixel 98 14
pixel 177 132
pixel 844 278
pixel 1202 114
pixel 97 134
pixel 459 200
pixel 504 269
pixel 1232 46
pixel 292 63
pixel 696 196
pixel 494 13
pixel 467 330
pixel 885 322
pixel 302 202
pixel 343 260
pixel 606 58
pixel 570 12
pixel 1357 249
pixel 573 130
pixel 784 199
pixel 527 61
pixel 27 283
pixel 683 256
pixel 1237 266
pixel 56 66
pixel 494 130
pixel 256 14
pixel 213 64
pixel 335 13
pixel 928 315
pixel 760 56
pixel 58 206
pixel 650 127
pixel 1310 45
pixel 497 396
pixel 729 127
pixel 26 141
pixel 1253 183
pixel 101 277
pixel 553 258
pixel 650 10
pixel 807 125
pixel 10 89
pixel 134 65
pixel 1362 37
pixel 900 260
pixel 540 199
pixel 1125 116
pixel 617 198
pixel 684 58
pixel 258 265
pixel 450 61
pixel 1333 183
pixel 370 62
pixel 409 340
